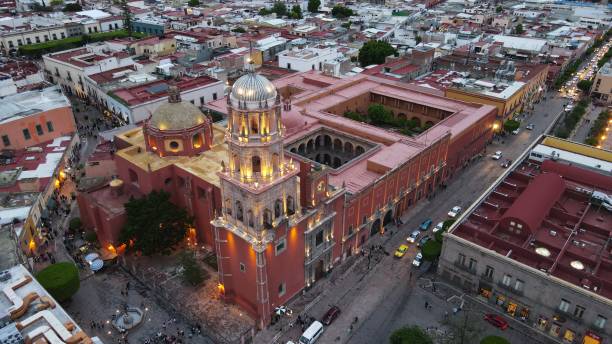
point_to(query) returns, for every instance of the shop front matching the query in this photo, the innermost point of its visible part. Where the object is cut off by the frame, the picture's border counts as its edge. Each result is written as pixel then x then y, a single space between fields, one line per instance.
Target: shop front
pixel 485 291
pixel 511 306
pixel 591 338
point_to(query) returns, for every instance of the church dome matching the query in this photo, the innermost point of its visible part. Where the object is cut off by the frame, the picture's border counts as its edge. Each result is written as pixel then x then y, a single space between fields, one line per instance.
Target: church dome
pixel 175 114
pixel 252 89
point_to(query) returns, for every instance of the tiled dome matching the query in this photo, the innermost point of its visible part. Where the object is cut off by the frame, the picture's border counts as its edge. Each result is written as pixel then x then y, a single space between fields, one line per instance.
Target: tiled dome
pixel 176 115
pixel 252 89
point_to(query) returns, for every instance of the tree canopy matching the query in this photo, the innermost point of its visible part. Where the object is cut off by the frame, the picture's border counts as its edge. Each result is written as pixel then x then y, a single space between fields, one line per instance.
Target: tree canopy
pixel 519 29
pixel 72 8
pixel 431 250
pixel 194 3
pixel 494 340
pixel 154 224
pixel 410 335
pixel 296 12
pixel 192 272
pixel 313 5
pixel 584 85
pixel 499 9
pixel 341 12
pixel 511 125
pixel 61 280
pixel 375 52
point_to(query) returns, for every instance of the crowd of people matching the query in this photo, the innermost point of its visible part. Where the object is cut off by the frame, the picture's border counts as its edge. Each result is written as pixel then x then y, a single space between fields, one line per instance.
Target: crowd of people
pixel 167 336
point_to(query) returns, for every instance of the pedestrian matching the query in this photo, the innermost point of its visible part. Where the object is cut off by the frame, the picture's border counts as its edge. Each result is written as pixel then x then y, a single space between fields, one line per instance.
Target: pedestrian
pixel 426 304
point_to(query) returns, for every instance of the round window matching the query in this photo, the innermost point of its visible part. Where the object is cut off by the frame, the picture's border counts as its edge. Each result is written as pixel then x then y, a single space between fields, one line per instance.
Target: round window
pixel 174 145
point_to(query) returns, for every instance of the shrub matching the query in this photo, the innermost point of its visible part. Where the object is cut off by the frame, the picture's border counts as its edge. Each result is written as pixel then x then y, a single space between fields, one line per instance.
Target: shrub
pixel 494 340
pixel 410 335
pixel 61 280
pixel 511 125
pixel 91 237
pixel 192 272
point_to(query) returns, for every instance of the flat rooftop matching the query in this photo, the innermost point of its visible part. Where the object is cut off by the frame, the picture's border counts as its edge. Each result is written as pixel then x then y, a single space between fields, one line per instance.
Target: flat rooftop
pixel 542 214
pixel 21 105
pixel 159 89
pixel 37 313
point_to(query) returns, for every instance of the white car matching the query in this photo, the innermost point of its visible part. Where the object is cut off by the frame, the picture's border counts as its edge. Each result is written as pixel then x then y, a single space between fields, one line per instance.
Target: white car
pixel 497 155
pixel 438 227
pixel 454 212
pixel 516 131
pixel 413 236
pixel 417 260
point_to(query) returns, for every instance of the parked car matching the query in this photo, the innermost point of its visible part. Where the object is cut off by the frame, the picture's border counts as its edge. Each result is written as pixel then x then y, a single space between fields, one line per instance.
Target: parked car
pixel 497 321
pixel 530 126
pixel 438 227
pixel 401 251
pixel 516 131
pixel 330 315
pixel 425 225
pixel 506 163
pixel 413 236
pixel 454 212
pixel 569 107
pixel 423 240
pixel 497 155
pixel 417 260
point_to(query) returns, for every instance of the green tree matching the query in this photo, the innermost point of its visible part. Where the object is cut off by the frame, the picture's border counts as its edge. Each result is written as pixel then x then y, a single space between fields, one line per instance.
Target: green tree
pixel 519 29
pixel 57 2
pixel 264 11
pixel 584 85
pixel 313 5
pixel 127 17
pixel 494 340
pixel 61 280
pixel 511 125
pixel 431 250
pixel 72 8
pixel 499 9
pixel 193 3
pixel 75 224
pixel 91 237
pixel 239 29
pixel 410 335
pixel 379 115
pixel 192 272
pixel 375 52
pixel 296 12
pixel 341 12
pixel 154 224
pixel 418 39
pixel 279 8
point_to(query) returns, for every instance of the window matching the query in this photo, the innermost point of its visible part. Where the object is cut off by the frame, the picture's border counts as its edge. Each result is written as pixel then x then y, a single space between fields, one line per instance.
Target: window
pixel 215 96
pixel 50 126
pixel 473 263
pixel 39 130
pixel 564 305
pixel 282 288
pixel 201 193
pixel 461 259
pixel 518 285
pixel 506 280
pixel 319 238
pixel 116 26
pixel 62 35
pixel 579 311
pixel 201 100
pixel 242 267
pixel 168 181
pixel 89 29
pixel 364 220
pixel 600 321
pixel 6 141
pixel 54 36
pixel 280 246
pixel 26 134
pixel 37 39
pixel 19 42
pixel 489 272
pixel 10 43
pixel 192 102
pixel 28 40
pixel 95 29
pixel 288 65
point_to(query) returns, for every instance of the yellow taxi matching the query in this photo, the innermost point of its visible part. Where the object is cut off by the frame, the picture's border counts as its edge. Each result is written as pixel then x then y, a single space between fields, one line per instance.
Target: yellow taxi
pixel 401 251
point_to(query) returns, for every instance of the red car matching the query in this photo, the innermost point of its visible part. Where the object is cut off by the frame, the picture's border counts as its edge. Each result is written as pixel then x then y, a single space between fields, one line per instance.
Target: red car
pixel 497 321
pixel 331 315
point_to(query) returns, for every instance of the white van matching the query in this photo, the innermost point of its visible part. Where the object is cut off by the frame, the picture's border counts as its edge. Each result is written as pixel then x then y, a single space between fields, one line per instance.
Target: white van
pixel 312 333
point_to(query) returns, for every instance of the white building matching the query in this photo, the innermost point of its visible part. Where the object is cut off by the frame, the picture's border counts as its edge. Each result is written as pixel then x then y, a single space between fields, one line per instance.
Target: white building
pixel 69 67
pixel 310 58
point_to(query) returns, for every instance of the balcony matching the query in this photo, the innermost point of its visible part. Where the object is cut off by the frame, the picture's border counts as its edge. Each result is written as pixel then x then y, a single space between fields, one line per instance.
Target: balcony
pixel 464 267
pixel 510 289
pixel 318 251
pixel 567 314
pixel 486 277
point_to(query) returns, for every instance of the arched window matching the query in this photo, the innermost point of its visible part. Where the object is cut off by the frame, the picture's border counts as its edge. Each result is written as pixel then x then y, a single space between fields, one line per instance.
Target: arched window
pixel 250 218
pixel 228 207
pixel 278 208
pixel 256 164
pixel 197 140
pixel 267 218
pixel 290 205
pixel 275 162
pixel 236 163
pixel 239 215
pixel 254 124
pixel 133 176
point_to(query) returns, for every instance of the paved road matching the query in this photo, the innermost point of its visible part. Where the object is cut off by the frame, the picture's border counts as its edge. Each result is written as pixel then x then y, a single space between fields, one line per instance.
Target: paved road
pixel 383 300
pixel 584 126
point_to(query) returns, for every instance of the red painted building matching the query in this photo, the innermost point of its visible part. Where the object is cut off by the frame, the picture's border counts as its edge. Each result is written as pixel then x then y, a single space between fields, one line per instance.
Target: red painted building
pixel 296 187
